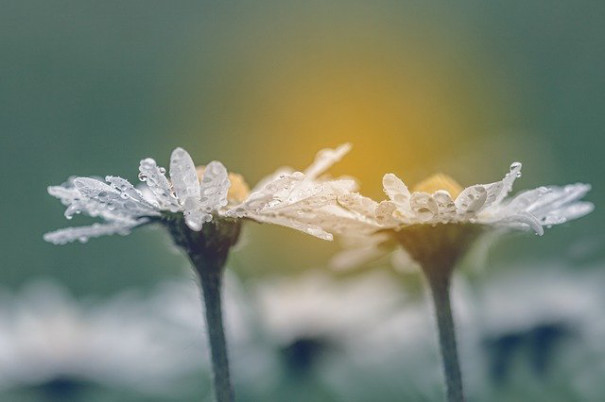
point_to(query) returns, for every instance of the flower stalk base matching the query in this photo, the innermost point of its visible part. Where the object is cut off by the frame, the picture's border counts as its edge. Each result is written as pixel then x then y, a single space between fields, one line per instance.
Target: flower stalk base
pixel 208 250
pixel 438 248
pixel 440 291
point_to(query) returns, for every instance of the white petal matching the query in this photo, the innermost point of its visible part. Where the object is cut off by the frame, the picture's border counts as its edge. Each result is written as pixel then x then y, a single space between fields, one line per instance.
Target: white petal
pixel 65 192
pixel 569 212
pixel 471 199
pixel 101 199
pixel 446 206
pixel 127 190
pixel 184 176
pixel 215 186
pixel 523 220
pixel 385 214
pixel 187 188
pixel 155 178
pixel 83 233
pixel 424 206
pixel 325 159
pixel 396 190
pixel 313 230
pixel 508 181
pixel 557 197
pixel 357 203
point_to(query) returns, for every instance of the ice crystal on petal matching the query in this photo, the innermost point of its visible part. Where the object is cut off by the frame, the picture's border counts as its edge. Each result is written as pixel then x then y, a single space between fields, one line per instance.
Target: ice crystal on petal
pixel 184 176
pixel 471 199
pixel 156 181
pixel 83 233
pixel 396 190
pixel 187 188
pixel 215 186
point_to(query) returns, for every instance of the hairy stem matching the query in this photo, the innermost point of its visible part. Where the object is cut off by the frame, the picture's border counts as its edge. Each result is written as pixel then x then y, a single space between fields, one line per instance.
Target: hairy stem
pixel 440 290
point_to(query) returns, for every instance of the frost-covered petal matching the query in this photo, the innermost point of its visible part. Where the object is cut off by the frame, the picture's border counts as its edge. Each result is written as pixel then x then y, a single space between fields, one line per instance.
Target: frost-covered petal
pixel 184 176
pixel 325 159
pixel 101 199
pixel 313 230
pixel 424 206
pixel 508 181
pixel 471 199
pixel 557 197
pixel 396 190
pixel 83 233
pixel 446 208
pixel 357 203
pixel 157 183
pixel 568 212
pixel 522 220
pixel 127 190
pixel 214 187
pixel 66 192
pixel 385 214
pixel 187 188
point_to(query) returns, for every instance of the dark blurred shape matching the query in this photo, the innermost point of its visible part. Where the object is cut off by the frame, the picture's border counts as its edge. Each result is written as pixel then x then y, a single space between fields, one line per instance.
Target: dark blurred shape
pixel 302 354
pixel 539 345
pixel 64 388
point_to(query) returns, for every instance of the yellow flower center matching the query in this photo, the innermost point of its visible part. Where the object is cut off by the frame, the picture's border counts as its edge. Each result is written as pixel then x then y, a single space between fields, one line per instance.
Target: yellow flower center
pixel 239 189
pixel 438 182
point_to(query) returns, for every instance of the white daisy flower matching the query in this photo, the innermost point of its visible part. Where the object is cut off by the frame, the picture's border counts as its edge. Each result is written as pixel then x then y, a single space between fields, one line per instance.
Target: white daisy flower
pixel 438 221
pixel 440 213
pixel 299 200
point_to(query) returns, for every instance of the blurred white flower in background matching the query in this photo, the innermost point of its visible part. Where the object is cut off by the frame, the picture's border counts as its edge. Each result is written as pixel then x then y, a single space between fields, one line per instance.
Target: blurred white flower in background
pixel 535 329
pixel 318 305
pixel 46 336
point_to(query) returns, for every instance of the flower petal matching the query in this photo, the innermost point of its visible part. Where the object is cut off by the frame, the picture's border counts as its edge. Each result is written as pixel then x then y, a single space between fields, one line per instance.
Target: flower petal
pixel 155 179
pixel 396 190
pixel 324 159
pixel 424 206
pixel 100 199
pixel 508 181
pixel 214 187
pixel 187 188
pixel 83 233
pixel 471 199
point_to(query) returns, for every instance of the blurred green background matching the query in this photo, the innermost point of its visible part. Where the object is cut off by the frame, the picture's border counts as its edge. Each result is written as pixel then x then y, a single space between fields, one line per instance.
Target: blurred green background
pixel 90 88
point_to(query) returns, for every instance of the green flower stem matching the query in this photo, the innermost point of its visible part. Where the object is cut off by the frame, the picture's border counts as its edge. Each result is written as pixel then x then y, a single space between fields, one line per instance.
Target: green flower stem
pixel 440 290
pixel 211 281
pixel 208 250
pixel 438 248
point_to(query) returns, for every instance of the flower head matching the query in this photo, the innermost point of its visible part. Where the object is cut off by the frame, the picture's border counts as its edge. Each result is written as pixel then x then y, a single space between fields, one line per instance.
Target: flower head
pixel 440 214
pixel 299 200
